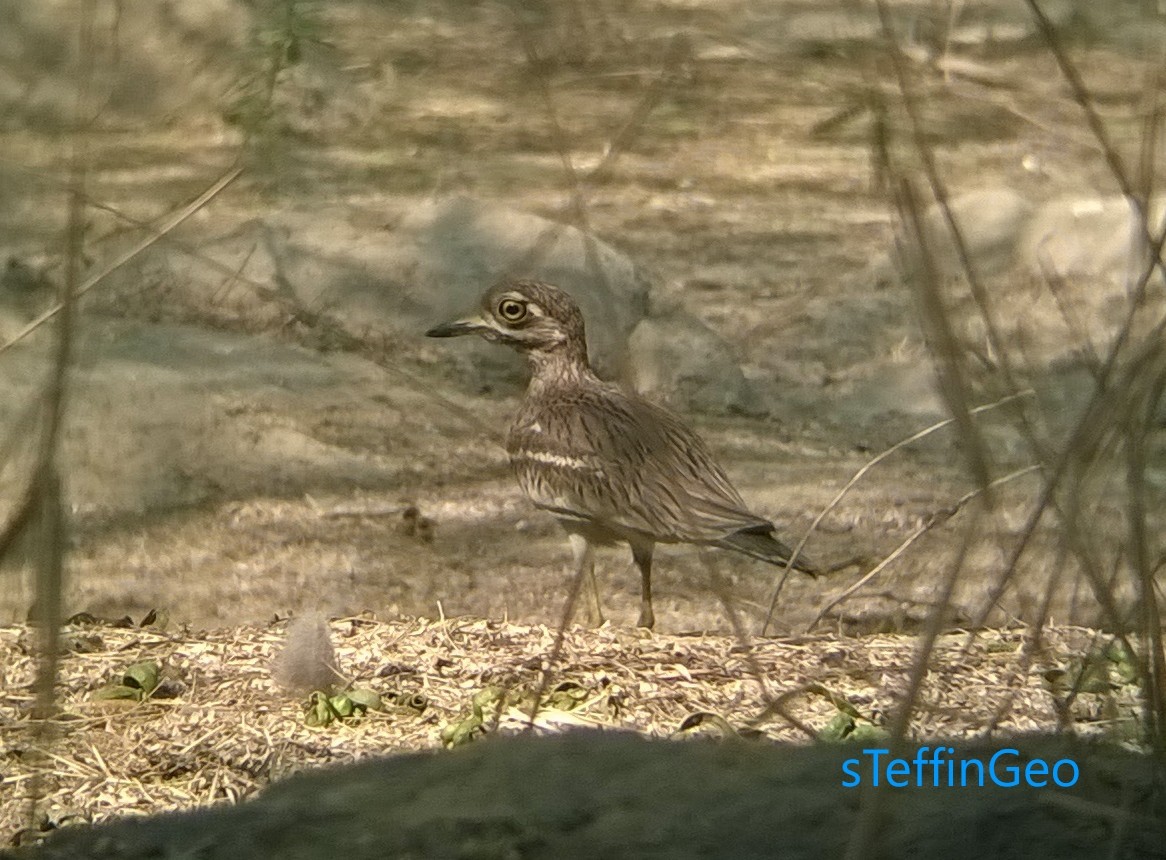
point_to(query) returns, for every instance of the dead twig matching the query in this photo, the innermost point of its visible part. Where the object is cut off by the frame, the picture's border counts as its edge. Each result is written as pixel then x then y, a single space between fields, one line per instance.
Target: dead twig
pixel 857 476
pixel 169 224
pixel 937 518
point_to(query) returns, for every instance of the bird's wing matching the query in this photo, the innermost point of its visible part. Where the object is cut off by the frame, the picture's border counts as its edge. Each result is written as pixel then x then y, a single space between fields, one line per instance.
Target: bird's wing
pixel 611 458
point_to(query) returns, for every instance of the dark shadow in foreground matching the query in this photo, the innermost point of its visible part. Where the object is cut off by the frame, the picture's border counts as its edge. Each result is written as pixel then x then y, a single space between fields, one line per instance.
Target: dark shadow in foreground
pixel 596 794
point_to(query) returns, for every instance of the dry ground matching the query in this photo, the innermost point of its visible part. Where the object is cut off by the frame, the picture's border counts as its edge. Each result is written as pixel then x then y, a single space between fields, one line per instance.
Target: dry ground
pixel 751 215
pixel 219 728
pixel 738 195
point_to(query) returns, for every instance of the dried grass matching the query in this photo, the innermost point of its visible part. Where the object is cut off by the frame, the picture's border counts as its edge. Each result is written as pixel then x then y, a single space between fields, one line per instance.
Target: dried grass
pixel 228 730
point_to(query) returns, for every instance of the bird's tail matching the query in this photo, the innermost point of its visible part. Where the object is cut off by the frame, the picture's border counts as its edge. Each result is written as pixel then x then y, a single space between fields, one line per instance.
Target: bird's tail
pixel 764 546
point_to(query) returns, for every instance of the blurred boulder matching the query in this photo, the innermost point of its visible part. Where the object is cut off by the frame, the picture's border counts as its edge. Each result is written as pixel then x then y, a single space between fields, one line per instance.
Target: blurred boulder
pixel 1058 272
pixel 379 275
pixel 463 246
pixel 26 290
pixel 1085 237
pixel 990 222
pixel 382 276
pixel 163 415
pixel 679 360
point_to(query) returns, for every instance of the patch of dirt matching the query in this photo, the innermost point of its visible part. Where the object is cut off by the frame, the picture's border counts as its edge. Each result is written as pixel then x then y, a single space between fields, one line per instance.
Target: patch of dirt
pixel 586 795
pixel 750 193
pixel 752 215
pixel 219 728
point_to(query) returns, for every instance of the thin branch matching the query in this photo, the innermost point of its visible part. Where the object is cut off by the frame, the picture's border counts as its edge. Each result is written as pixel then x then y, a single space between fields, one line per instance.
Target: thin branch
pixel 1094 418
pixel 544 682
pixel 857 476
pixel 773 705
pixel 1112 158
pixel 941 339
pixel 1032 642
pixel 1081 96
pixel 980 295
pixel 627 133
pixel 872 801
pixel 177 218
pixel 937 518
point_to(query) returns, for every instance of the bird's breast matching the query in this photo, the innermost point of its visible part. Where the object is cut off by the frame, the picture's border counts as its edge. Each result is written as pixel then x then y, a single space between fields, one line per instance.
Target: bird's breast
pixel 553 471
pixel 535 444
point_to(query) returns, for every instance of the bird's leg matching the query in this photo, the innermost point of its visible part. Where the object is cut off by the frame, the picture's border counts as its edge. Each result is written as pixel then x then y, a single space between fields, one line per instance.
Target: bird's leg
pixel 584 555
pixel 642 554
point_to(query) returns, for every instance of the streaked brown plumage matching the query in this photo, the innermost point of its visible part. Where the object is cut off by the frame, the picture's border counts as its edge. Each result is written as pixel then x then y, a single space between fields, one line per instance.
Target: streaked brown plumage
pixel 610 465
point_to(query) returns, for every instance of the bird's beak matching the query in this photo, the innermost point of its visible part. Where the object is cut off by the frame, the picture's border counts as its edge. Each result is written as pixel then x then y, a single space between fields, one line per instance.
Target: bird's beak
pixel 473 325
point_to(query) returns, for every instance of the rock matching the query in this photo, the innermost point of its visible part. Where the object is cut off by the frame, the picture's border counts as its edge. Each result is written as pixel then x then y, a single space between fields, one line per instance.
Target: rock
pixel 1077 256
pixel 1082 237
pixel 463 246
pixel 433 266
pixel 25 292
pixel 166 415
pixel 990 220
pixel 1058 275
pixel 396 281
pixel 611 794
pixel 681 361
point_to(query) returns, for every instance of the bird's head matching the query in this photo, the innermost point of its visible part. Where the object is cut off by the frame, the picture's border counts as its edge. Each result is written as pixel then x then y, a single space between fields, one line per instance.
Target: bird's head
pixel 530 316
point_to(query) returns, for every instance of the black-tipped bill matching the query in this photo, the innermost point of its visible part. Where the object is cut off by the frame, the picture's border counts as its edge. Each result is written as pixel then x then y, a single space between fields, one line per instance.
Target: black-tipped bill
pixel 456 328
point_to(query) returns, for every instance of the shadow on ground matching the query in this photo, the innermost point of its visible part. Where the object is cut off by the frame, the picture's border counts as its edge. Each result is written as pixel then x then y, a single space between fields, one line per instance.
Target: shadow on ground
pixel 611 795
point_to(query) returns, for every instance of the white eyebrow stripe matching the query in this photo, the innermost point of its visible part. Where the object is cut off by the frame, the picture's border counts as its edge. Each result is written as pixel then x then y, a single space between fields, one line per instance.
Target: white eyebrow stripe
pixel 563 461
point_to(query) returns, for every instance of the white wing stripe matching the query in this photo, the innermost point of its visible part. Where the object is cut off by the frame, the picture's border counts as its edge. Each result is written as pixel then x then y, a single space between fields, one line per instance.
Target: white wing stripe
pixel 563 461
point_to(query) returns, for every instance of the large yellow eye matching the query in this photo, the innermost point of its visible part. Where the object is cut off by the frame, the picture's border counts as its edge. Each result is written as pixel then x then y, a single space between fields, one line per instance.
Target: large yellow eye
pixel 511 310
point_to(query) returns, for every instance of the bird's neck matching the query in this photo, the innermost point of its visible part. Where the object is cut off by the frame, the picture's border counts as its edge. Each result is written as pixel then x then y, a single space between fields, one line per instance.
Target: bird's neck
pixel 550 369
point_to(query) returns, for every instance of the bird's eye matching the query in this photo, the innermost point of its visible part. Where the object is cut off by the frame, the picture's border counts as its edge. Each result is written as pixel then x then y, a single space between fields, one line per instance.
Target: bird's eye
pixel 511 310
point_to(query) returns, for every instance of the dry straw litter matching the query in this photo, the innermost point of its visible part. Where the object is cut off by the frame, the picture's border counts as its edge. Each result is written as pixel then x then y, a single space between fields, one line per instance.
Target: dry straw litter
pixel 217 728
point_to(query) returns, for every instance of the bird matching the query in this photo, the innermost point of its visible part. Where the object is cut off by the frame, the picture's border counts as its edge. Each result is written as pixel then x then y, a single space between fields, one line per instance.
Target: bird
pixel 612 466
